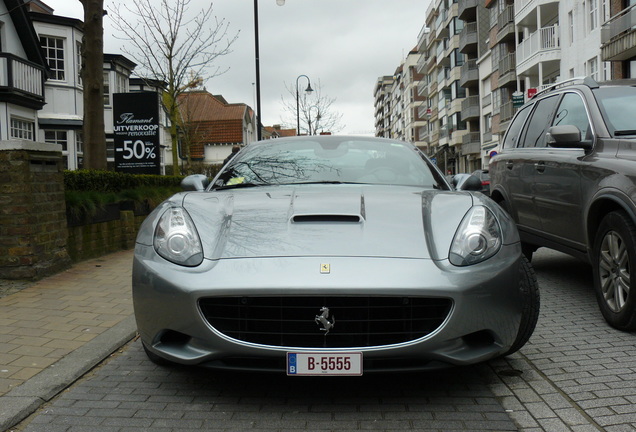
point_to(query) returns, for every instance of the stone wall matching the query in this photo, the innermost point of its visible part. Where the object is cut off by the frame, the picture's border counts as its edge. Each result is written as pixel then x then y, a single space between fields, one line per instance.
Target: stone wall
pixel 33 231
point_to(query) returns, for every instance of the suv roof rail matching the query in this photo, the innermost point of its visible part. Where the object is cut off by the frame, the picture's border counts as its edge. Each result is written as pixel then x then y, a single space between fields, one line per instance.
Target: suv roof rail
pixel 585 80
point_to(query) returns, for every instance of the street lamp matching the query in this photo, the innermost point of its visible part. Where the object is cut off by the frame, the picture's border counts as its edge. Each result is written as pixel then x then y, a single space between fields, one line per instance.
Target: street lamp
pixel 308 90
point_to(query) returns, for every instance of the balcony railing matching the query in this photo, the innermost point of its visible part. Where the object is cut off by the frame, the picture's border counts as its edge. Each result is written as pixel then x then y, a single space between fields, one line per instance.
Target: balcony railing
pixel 618 36
pixel 506 112
pixel 21 77
pixel 470 107
pixel 506 17
pixel 469 73
pixel 465 7
pixel 468 37
pixel 544 39
pixel 624 21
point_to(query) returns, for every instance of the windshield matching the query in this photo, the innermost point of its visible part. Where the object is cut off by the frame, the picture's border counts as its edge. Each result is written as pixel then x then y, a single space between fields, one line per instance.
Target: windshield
pixel 329 160
pixel 618 105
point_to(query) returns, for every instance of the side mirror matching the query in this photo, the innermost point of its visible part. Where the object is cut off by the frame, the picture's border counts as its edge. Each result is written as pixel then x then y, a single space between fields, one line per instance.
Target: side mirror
pixel 566 136
pixel 467 182
pixel 195 182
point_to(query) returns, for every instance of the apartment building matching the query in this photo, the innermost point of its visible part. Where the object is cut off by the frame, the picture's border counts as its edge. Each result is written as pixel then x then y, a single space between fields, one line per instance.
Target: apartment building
pixel 618 38
pixel 382 105
pixel 480 61
pixel 498 74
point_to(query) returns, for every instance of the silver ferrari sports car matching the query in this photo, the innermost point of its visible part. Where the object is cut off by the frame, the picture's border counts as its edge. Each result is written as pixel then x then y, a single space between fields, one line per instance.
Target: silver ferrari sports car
pixel 331 255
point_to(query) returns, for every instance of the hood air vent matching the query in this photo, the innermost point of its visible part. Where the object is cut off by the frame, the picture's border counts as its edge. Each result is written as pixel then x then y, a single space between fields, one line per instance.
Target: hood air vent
pixel 339 218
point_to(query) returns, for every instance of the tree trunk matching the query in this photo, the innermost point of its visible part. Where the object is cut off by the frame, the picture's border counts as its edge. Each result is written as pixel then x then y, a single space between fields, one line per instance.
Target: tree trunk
pixel 93 81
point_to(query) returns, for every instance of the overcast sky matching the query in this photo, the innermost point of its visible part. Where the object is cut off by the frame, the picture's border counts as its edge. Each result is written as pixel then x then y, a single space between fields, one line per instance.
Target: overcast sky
pixel 344 44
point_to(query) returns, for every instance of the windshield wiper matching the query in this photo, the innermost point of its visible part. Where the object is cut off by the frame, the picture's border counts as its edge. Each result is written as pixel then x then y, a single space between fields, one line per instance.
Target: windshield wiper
pixel 238 185
pixel 625 132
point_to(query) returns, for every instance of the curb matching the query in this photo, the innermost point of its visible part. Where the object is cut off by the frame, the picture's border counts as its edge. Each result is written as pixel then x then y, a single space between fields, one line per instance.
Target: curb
pixel 23 400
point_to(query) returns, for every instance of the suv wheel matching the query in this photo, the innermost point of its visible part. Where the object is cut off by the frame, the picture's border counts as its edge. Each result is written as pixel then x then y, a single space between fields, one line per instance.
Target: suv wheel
pixel 614 253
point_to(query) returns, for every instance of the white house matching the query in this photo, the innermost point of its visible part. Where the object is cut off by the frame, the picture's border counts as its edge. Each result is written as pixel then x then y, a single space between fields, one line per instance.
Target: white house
pixel 23 72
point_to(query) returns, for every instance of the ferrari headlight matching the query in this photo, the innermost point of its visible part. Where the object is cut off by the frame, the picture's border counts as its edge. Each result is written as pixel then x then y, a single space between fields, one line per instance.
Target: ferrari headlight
pixel 477 239
pixel 176 238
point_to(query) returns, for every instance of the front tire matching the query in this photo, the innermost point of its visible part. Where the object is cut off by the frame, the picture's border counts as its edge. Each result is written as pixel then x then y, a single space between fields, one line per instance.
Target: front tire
pixel 613 255
pixel 531 304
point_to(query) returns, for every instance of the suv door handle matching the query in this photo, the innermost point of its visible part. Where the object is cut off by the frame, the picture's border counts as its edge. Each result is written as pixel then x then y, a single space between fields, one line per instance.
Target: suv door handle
pixel 539 166
pixel 509 164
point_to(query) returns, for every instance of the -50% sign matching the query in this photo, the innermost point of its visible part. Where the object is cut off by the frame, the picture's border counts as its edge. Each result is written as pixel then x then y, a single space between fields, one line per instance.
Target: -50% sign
pixel 138 150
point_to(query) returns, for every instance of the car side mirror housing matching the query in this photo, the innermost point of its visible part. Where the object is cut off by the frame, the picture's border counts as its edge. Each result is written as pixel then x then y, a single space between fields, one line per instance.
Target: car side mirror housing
pixel 466 182
pixel 566 136
pixel 195 182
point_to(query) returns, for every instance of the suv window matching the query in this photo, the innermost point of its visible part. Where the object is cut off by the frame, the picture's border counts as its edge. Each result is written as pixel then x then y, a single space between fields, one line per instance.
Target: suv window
pixel 514 130
pixel 618 105
pixel 535 136
pixel 572 112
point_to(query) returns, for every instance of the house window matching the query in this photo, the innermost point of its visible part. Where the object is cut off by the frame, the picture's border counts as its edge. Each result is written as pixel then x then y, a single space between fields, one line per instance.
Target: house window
pixel 78 61
pixel 571 27
pixel 106 89
pixel 57 137
pixel 22 129
pixel 121 84
pixel 593 14
pixel 79 143
pixel 592 68
pixel 54 51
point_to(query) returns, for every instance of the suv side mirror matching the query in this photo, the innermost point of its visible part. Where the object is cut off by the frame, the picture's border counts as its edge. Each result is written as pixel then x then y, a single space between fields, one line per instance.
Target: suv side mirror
pixel 466 182
pixel 195 182
pixel 566 136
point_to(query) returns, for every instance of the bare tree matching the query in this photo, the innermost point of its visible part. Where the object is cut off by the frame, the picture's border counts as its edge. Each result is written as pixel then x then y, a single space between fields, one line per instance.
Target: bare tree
pixel 172 46
pixel 316 112
pixel 93 79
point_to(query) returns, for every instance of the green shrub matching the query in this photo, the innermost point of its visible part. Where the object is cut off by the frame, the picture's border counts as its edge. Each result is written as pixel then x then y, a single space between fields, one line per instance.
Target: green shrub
pixel 88 191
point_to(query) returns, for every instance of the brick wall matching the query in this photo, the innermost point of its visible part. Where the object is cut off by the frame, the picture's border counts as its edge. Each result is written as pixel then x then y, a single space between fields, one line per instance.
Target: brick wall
pixel 33 233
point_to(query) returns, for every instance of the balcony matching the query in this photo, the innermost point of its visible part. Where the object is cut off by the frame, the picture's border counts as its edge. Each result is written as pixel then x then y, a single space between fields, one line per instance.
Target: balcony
pixel 507 70
pixel 618 36
pixel 467 10
pixel 21 82
pixel 528 8
pixel 468 38
pixel 470 108
pixel 471 143
pixel 544 45
pixel 422 89
pixel 469 74
pixel 506 112
pixel 506 25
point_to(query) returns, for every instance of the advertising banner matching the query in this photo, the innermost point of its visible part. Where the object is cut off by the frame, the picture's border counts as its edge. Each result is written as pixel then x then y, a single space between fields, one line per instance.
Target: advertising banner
pixel 136 129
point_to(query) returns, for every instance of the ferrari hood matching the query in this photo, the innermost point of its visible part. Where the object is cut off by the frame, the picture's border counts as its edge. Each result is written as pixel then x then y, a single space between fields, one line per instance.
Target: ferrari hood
pixel 327 220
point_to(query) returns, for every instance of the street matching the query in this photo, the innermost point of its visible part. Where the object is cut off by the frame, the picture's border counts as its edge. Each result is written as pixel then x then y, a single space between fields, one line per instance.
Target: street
pixel 576 373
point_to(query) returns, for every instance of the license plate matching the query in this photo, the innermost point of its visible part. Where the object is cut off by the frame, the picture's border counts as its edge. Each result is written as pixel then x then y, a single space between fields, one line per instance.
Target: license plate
pixel 320 363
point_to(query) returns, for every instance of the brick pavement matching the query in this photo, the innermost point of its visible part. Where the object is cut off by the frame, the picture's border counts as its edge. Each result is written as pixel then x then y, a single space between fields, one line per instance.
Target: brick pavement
pixel 54 329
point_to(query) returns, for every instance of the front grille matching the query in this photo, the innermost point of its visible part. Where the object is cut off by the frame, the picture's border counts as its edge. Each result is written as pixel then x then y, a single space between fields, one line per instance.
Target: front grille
pixel 358 321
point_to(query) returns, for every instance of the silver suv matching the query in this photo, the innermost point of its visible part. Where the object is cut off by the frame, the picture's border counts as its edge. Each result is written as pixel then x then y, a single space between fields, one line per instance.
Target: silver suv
pixel 567 175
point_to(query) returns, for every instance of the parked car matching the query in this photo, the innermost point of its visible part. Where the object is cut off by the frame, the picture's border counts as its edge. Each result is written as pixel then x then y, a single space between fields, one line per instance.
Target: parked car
pixel 331 255
pixel 484 176
pixel 567 176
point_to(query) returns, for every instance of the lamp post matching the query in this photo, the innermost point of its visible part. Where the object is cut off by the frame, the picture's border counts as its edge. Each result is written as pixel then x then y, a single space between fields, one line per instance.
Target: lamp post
pixel 258 73
pixel 307 90
pixel 258 68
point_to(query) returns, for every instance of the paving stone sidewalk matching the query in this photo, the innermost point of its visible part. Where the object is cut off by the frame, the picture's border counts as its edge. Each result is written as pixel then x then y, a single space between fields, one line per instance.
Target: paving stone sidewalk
pixel 54 330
